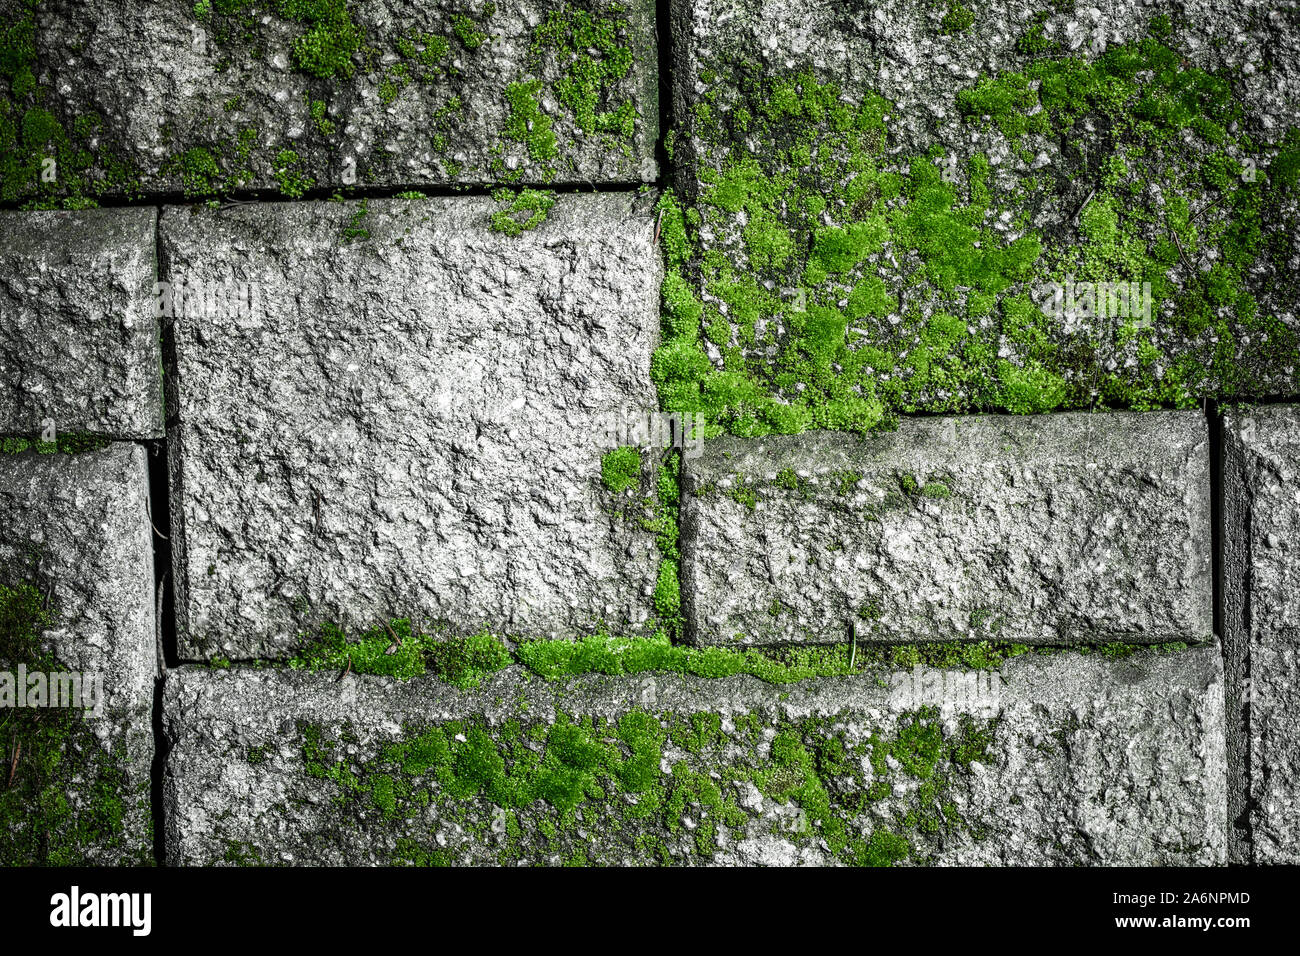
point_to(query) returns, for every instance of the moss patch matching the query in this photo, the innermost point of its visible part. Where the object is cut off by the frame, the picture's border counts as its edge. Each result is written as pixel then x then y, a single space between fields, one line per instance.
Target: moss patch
pixel 620 469
pixel 658 788
pixel 400 650
pixel 523 210
pixel 578 60
pixel 70 443
pixel 48 158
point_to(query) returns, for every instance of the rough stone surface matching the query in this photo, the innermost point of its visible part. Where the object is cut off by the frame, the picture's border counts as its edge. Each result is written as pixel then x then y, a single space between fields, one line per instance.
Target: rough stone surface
pixel 406 425
pixel 969 212
pixel 213 103
pixel 78 340
pixel 1041 530
pixel 1262 628
pixel 1069 759
pixel 80 525
pixel 76 527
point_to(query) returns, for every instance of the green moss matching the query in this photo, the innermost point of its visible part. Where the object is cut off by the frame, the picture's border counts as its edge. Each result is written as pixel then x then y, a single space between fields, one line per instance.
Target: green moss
pixel 317 109
pixel 744 493
pixel 467 32
pixel 327 48
pixel 667 595
pixel 240 853
pixel 957 19
pixel 620 469
pixel 292 183
pixel 1034 40
pixel 207 171
pixel 592 60
pixel 577 57
pixel 936 489
pixel 355 230
pixel 49 158
pixel 524 210
pixel 398 649
pixel 527 123
pixel 67 443
pixel 433 49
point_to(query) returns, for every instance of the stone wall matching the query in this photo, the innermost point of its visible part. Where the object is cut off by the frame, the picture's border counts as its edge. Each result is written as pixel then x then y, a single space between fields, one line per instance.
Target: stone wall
pixel 721 433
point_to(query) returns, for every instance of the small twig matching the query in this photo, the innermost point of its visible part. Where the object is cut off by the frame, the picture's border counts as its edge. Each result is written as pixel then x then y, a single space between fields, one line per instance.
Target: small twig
pixel 397 641
pixel 13 764
pixel 1204 209
pixel 1192 273
pixel 148 510
pixel 853 654
pixel 158 626
pixel 1079 212
pixel 232 203
pixel 659 226
pixel 346 672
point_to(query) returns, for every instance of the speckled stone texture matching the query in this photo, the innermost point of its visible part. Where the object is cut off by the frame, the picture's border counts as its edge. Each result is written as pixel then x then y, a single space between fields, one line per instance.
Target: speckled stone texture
pixel 1262 628
pixel 421 101
pixel 1068 189
pixel 408 425
pixel 1041 530
pixel 77 528
pixel 79 345
pixel 1088 762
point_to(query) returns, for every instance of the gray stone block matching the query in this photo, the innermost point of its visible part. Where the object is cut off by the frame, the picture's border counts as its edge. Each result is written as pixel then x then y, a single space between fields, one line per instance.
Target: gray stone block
pixel 398 94
pixel 1060 759
pixel 76 528
pixel 1261 568
pixel 408 425
pixel 1040 530
pixel 79 344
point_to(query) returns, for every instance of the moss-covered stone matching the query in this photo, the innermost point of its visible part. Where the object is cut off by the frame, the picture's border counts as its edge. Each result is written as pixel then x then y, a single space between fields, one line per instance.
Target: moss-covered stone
pixel 843 259
pixel 66 797
pixel 292 95
pixel 666 769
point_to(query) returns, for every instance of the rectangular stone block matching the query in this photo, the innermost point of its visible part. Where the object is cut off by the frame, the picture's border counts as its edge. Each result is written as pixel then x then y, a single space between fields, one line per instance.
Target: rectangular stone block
pixel 409 424
pixel 911 206
pixel 1261 627
pixel 76 585
pixel 79 345
pixel 236 95
pixel 1061 759
pixel 1052 529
